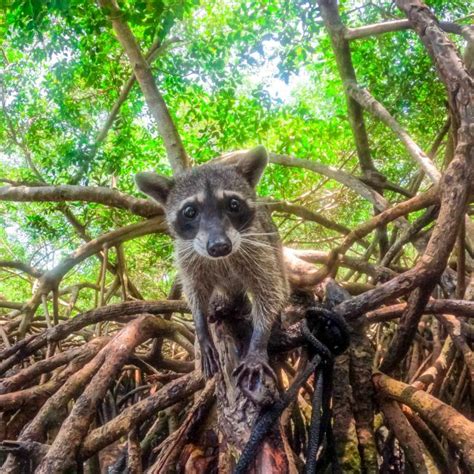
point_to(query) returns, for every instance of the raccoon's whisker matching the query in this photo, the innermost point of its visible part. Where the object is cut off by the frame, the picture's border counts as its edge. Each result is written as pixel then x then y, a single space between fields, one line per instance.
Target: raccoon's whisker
pixel 249 260
pixel 187 252
pixel 257 243
pixel 253 252
pixel 188 255
pixel 255 264
pixel 252 260
pixel 245 234
pixel 254 237
pixel 188 258
pixel 225 264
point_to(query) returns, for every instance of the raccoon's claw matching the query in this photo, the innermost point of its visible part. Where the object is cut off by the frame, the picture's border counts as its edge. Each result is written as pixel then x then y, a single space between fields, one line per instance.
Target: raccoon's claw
pixel 251 375
pixel 209 360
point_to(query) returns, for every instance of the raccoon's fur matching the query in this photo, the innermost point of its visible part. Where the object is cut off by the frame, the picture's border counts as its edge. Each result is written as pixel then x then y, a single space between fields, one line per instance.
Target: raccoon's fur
pixel 225 242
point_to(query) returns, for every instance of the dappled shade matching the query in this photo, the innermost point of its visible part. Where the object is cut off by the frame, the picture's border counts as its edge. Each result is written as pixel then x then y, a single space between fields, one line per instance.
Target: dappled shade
pixel 367 113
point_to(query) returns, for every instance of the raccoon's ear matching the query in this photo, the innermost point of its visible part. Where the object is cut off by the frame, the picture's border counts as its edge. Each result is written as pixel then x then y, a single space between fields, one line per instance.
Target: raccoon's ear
pixel 252 164
pixel 154 185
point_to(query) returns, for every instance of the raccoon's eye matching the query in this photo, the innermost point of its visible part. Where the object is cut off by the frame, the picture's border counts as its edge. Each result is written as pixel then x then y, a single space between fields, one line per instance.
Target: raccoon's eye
pixel 234 205
pixel 189 212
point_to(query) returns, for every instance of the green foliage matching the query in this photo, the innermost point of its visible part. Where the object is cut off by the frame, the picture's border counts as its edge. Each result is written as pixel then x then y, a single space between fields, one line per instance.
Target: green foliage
pixel 237 73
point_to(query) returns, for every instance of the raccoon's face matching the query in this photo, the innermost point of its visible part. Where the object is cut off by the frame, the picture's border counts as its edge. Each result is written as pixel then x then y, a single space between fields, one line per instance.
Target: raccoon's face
pixel 213 220
pixel 209 207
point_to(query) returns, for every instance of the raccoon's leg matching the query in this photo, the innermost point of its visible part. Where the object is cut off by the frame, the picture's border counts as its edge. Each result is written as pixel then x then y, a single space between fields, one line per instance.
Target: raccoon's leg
pixel 270 293
pixel 209 356
pixel 199 302
pixel 253 371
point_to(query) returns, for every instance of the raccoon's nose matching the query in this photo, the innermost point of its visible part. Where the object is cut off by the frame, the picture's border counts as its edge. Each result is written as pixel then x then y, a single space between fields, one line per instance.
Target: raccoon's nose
pixel 219 247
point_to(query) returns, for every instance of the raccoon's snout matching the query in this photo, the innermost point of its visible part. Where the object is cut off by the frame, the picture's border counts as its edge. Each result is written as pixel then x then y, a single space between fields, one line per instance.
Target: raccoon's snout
pixel 219 247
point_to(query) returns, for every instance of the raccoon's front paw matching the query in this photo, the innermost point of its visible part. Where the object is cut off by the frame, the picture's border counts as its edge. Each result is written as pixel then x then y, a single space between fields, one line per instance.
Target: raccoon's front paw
pixel 209 360
pixel 256 378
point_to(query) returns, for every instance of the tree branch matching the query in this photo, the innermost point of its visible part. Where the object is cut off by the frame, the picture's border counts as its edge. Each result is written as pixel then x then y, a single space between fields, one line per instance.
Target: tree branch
pixel 68 192
pixel 455 427
pixel 340 45
pixel 156 104
pixel 24 267
pixel 414 449
pixel 457 307
pixel 118 312
pixel 50 279
pixel 156 49
pixel 306 214
pixel 66 446
pixel 342 177
pixel 398 25
pixel 365 99
pixel 175 391
pixel 456 181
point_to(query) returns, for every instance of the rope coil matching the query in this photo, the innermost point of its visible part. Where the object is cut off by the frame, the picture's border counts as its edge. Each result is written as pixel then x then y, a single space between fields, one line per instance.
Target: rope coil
pixel 333 330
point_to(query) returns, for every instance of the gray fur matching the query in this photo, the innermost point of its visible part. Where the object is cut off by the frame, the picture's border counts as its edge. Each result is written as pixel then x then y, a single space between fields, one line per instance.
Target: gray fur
pixel 255 265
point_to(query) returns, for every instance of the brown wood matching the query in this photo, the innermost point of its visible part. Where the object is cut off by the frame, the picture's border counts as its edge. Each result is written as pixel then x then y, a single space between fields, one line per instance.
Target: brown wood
pixel 457 429
pixel 419 460
pixel 166 127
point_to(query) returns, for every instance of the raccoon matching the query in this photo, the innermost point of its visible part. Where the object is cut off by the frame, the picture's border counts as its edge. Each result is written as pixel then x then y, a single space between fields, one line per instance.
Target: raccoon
pixel 226 243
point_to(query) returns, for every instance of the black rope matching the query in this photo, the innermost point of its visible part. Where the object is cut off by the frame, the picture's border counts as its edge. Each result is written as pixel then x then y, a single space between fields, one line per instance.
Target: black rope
pixel 268 417
pixel 333 330
pixel 316 430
